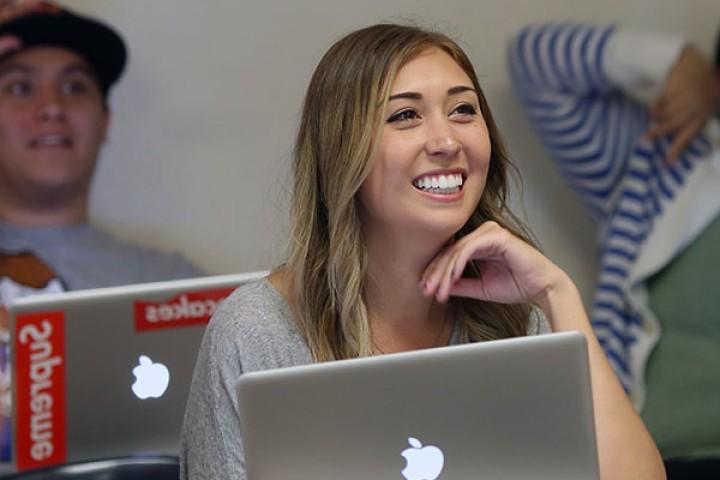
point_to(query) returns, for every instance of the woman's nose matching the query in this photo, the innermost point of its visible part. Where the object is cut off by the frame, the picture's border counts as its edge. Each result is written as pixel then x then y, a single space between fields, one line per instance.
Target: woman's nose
pixel 442 140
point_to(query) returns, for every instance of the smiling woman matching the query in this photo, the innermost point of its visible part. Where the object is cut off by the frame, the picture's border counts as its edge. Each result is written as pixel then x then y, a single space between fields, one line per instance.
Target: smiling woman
pixel 432 121
pixel 401 240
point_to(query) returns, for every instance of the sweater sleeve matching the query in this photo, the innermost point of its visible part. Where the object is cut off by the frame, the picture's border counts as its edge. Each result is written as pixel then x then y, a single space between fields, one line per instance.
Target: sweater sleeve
pixel 211 442
pixel 252 330
pixel 573 81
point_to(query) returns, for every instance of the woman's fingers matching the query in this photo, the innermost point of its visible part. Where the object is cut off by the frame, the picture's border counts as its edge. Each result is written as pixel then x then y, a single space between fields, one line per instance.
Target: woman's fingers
pixel 487 242
pixel 471 288
pixel 510 270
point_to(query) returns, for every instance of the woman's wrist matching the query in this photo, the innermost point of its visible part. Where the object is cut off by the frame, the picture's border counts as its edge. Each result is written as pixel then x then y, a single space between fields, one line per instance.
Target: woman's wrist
pixel 562 304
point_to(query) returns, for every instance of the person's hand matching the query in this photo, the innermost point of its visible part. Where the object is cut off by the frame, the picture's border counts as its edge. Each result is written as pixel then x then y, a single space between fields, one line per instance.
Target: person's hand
pixel 10 9
pixel 510 270
pixel 689 99
pixel 8 43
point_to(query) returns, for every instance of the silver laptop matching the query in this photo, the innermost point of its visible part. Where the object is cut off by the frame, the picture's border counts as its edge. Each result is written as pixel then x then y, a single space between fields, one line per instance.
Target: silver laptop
pixel 106 372
pixel 508 409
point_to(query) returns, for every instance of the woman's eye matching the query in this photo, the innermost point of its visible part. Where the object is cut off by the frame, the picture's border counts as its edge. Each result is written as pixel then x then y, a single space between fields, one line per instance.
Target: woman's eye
pixel 465 109
pixel 403 116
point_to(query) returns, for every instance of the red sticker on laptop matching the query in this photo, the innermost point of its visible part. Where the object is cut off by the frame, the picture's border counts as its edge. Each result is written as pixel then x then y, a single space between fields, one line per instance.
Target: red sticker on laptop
pixel 40 435
pixel 183 310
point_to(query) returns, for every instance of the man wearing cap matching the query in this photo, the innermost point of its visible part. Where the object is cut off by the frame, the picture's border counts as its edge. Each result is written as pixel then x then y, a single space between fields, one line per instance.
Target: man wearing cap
pixel 56 71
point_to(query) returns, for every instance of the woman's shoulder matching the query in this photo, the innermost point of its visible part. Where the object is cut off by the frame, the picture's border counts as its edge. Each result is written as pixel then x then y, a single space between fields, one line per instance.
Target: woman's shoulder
pixel 538 323
pixel 255 325
pixel 251 307
pixel 258 296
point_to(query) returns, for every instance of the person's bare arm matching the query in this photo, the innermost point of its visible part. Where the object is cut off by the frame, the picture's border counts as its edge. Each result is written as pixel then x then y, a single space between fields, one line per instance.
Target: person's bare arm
pixel 690 97
pixel 625 448
pixel 511 271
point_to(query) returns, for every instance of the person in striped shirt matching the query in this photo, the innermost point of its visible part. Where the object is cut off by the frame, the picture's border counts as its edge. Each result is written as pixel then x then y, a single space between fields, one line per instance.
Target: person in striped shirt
pixel 630 120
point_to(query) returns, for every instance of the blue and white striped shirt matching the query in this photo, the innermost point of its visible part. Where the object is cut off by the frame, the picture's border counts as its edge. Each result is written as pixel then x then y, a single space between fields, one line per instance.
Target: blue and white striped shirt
pixel 576 83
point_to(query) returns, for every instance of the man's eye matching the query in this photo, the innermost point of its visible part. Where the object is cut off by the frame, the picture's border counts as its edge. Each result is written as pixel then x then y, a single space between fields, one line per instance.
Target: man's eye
pixel 74 87
pixel 19 89
pixel 403 116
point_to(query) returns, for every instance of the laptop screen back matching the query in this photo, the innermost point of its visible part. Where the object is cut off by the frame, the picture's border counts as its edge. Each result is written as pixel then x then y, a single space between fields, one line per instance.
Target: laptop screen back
pixel 106 372
pixel 507 409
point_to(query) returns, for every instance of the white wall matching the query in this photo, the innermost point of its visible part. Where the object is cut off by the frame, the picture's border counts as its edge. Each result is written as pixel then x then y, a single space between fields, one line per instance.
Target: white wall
pixel 205 115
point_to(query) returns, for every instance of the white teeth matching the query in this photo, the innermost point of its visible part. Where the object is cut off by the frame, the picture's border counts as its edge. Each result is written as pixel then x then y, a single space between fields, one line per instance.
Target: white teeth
pixel 440 182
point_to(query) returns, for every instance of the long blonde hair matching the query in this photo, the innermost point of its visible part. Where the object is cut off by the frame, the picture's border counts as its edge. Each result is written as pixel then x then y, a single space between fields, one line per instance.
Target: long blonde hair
pixel 327 258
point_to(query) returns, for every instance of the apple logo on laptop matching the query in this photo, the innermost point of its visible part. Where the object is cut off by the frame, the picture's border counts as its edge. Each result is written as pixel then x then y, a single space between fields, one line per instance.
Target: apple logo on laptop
pixel 151 379
pixel 423 463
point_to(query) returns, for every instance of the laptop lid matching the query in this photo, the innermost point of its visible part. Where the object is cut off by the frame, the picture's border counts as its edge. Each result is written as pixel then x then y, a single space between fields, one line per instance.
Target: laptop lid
pixel 106 372
pixel 508 409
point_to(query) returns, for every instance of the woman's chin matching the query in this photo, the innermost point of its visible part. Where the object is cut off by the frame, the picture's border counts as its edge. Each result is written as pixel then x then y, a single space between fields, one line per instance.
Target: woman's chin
pixel 442 230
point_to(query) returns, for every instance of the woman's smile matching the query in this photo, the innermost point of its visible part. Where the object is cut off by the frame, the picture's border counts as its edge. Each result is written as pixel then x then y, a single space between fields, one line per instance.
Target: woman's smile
pixel 444 184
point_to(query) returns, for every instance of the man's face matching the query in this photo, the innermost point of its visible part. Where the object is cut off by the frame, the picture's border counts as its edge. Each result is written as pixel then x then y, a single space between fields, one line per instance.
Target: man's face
pixel 52 124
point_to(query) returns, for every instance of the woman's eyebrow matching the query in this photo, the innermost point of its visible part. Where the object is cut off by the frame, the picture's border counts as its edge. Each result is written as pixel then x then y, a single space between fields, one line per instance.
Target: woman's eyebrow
pixel 418 96
pixel 408 95
pixel 460 89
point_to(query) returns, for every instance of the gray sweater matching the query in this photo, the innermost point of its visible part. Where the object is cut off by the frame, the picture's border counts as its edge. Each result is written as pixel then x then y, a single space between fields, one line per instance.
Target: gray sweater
pixel 252 330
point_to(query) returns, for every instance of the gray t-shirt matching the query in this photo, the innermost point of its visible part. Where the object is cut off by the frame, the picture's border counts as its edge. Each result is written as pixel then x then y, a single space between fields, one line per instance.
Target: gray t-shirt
pixel 252 330
pixel 84 257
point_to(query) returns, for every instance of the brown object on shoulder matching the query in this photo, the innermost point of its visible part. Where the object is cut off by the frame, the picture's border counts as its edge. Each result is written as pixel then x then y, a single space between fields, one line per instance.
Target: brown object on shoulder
pixel 26 269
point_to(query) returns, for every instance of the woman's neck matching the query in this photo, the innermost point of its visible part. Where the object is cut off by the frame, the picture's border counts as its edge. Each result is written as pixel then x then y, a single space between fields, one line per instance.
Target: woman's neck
pixel 401 317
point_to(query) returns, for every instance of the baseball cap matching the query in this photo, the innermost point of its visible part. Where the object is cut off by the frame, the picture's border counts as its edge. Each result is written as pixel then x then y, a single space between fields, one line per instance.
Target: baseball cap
pixel 51 25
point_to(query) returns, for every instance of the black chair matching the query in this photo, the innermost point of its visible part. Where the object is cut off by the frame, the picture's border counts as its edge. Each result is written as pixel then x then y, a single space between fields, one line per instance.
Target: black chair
pixel 125 468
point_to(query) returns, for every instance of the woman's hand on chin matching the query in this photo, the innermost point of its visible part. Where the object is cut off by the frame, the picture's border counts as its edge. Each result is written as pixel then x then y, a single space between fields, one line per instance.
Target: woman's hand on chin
pixel 510 270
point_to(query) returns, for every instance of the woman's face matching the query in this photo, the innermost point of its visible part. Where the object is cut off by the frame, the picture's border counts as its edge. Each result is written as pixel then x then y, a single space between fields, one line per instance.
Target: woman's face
pixel 432 159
